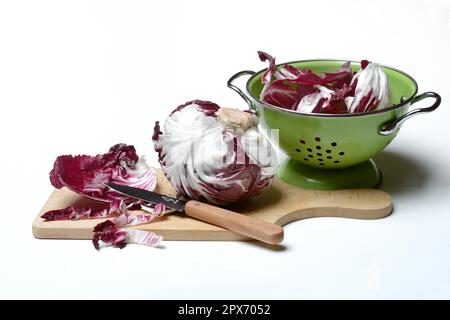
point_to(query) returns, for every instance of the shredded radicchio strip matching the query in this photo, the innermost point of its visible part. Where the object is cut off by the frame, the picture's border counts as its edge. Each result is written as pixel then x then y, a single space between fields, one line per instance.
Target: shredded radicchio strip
pixel 109 233
pixel 115 233
pixel 72 213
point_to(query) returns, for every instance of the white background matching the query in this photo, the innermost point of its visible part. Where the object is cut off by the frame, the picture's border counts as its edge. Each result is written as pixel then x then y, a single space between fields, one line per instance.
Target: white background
pixel 80 76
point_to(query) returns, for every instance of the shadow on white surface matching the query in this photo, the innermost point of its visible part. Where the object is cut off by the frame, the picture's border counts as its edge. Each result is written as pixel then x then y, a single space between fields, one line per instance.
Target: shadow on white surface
pixel 402 174
pixel 271 247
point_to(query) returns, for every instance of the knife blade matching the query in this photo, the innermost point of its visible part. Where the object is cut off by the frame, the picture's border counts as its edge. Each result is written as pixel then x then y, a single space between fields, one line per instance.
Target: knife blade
pixel 149 196
pixel 251 227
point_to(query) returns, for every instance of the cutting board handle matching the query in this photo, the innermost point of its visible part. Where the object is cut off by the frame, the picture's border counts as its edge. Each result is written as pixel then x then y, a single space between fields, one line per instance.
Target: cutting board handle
pixel 254 228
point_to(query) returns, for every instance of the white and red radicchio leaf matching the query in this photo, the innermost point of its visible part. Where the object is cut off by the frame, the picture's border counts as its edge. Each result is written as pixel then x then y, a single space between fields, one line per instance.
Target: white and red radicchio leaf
pixel 267 76
pixel 88 176
pixel 286 93
pixel 371 89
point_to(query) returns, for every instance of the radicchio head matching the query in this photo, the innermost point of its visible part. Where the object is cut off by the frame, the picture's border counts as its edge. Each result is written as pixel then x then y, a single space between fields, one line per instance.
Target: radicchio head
pixel 219 157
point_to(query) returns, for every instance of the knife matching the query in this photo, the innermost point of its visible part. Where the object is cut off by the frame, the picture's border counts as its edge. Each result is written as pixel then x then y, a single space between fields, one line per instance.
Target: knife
pixel 251 227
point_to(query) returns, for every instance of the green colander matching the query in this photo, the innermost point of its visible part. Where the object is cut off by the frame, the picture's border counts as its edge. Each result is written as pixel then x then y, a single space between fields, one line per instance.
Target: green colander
pixel 334 151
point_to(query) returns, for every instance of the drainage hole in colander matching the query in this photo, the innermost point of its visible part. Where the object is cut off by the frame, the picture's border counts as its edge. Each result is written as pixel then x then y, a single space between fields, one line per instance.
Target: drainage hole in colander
pixel 341 153
pixel 306 159
pixel 309 150
pixel 310 155
pixel 321 163
pixel 302 141
pixel 318 147
pixel 333 144
pixel 319 154
pixel 336 161
pixel 298 150
pixel 328 151
pixel 329 157
pixel 317 139
pixel 320 160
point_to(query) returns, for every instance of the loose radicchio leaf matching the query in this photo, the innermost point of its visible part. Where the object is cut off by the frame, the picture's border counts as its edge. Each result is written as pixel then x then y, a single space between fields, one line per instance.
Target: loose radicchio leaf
pixel 371 89
pixel 343 77
pixel 289 88
pixel 285 93
pixel 108 232
pixel 331 106
pixel 88 176
pixel 72 213
pixel 315 100
pixel 115 233
pixel 287 71
pixel 337 92
pixel 296 88
pixel 364 64
pixel 335 101
pixel 267 77
pixel 159 209
pixel 307 77
pixel 219 158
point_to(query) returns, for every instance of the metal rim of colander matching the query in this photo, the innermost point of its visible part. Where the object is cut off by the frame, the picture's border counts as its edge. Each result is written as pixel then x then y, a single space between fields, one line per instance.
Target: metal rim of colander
pixel 328 115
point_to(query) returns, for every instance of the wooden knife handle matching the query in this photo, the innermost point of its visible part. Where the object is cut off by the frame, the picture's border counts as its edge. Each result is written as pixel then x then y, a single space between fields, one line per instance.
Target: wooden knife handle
pixel 236 222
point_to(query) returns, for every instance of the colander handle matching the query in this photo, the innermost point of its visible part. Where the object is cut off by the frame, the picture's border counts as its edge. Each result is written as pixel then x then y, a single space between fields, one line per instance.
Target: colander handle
pixel 391 126
pixel 239 91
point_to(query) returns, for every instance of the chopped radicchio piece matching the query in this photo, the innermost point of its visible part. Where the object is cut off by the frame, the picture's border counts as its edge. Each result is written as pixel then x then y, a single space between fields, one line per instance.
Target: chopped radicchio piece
pixel 72 213
pixel 115 233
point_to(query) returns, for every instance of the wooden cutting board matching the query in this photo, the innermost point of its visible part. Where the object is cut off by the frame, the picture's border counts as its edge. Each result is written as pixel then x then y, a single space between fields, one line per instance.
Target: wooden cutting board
pixel 281 203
